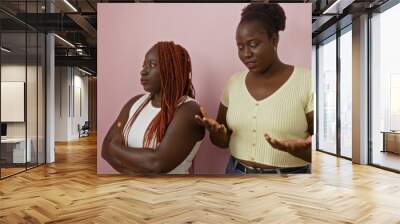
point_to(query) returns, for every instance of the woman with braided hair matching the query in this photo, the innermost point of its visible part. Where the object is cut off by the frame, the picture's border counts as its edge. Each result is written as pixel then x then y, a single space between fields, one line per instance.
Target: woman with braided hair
pixel 155 132
pixel 265 114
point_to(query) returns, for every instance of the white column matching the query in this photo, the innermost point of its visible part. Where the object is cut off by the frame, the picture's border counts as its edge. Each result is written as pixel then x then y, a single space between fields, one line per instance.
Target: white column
pixel 50 92
pixel 360 90
pixel 50 100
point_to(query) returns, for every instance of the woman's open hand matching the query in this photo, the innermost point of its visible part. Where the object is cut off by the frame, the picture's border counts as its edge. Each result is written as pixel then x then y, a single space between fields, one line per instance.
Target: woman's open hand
pixel 210 124
pixel 288 145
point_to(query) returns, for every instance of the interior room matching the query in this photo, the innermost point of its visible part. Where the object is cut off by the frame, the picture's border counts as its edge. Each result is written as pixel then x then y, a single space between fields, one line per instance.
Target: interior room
pixel 49 125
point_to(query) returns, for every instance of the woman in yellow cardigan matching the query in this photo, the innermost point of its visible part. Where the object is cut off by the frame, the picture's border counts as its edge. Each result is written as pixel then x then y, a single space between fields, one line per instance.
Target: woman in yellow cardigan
pixel 265 115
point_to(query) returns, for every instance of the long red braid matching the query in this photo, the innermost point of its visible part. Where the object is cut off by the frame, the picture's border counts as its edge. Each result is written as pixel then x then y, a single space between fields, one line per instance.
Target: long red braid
pixel 176 82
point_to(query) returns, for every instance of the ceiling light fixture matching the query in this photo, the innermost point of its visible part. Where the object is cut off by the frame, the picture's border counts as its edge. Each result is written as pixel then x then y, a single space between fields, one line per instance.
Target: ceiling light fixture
pixel 5 50
pixel 337 7
pixel 84 71
pixel 70 5
pixel 64 40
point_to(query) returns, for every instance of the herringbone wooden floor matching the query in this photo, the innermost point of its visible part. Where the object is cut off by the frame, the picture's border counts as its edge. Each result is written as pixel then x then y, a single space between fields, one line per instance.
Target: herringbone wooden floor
pixel 70 191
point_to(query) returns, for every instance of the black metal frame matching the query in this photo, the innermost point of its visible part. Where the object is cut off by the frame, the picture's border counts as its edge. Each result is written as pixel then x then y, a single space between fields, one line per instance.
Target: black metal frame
pixel 338 98
pixel 369 90
pixel 37 91
pixel 0 94
pixel 45 91
pixel 316 97
pixel 26 89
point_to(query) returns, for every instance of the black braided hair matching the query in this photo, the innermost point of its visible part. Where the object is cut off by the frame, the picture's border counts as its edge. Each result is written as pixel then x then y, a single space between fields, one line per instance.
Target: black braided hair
pixel 270 15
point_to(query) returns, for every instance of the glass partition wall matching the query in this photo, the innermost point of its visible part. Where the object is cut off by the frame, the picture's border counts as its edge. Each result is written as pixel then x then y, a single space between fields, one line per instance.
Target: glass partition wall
pixel 22 78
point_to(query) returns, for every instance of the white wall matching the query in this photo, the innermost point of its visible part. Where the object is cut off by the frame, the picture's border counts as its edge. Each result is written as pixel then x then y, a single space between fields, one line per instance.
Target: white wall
pixel 71 93
pixel 62 81
pixel 34 125
pixel 13 73
pixel 80 112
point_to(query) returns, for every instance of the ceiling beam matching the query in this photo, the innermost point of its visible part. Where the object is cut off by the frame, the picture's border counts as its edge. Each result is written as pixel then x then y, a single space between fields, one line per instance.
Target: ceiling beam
pixel 84 24
pixel 83 61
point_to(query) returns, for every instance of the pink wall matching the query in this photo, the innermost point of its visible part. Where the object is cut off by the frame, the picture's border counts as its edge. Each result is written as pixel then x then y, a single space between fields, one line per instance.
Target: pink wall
pixel 207 31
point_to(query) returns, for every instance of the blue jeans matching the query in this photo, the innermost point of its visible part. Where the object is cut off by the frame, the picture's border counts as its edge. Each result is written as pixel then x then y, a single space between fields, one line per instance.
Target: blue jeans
pixel 232 168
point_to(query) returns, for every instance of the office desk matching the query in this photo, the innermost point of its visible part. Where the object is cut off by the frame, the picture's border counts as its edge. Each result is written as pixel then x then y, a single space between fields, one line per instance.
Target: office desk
pixel 391 141
pixel 13 150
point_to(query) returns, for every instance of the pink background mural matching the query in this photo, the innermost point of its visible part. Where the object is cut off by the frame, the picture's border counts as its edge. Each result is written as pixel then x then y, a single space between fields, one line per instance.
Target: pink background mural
pixel 207 31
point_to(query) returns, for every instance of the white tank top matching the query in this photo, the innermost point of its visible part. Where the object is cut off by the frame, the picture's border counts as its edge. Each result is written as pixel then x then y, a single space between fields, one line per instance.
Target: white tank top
pixel 138 129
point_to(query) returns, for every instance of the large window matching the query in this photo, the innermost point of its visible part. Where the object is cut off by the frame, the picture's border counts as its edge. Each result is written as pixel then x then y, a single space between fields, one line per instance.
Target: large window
pixel 346 93
pixel 327 95
pixel 314 84
pixel 385 88
pixel 334 67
